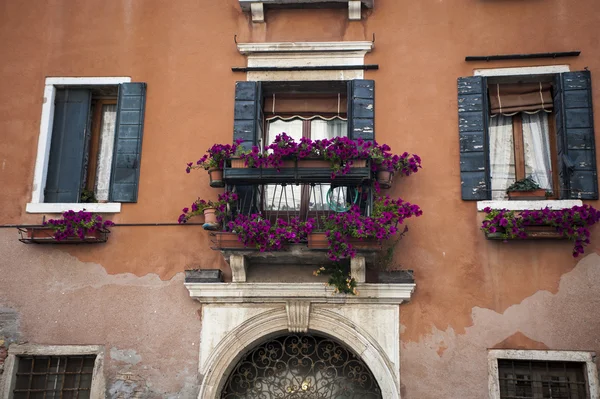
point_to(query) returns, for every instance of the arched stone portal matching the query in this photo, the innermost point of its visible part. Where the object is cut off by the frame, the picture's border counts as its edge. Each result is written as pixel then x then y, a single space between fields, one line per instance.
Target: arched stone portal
pixel 301 366
pixel 262 327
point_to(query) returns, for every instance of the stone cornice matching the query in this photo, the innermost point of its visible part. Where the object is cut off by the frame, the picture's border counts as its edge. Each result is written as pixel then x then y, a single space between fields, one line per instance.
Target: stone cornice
pixel 300 47
pixel 393 294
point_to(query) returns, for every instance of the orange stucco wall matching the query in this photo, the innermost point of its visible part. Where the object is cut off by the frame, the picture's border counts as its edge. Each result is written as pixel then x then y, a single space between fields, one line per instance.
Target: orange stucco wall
pixel 184 51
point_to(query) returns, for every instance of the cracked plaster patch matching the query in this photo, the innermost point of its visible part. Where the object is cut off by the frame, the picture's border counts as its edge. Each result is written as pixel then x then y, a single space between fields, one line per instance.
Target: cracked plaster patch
pixel 541 317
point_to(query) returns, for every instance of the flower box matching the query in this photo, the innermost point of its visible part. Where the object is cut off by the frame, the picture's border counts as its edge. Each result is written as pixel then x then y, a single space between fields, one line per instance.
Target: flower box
pixel 533 233
pixel 216 177
pixel 45 235
pixel 319 240
pixel 224 240
pixel 539 194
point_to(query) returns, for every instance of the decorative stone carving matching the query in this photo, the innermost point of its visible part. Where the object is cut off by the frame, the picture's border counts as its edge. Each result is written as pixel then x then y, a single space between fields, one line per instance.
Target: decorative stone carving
pixel 298 313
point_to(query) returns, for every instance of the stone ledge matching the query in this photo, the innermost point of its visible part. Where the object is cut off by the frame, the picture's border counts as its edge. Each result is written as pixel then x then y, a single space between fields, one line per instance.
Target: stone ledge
pixel 246 4
pixel 393 294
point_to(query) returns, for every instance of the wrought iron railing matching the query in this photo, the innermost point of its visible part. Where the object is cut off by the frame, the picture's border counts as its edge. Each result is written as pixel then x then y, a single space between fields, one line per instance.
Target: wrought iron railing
pixel 286 201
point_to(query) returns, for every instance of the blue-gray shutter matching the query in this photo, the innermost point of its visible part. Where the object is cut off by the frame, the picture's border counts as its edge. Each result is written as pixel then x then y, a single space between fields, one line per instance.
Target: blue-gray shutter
pixel 247 114
pixel 67 146
pixel 248 127
pixel 361 109
pixel 472 128
pixel 575 135
pixel 125 175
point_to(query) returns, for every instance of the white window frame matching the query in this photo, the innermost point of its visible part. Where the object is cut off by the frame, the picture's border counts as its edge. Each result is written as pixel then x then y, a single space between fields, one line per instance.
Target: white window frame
pixel 14 351
pixel 37 204
pixel 591 372
pixel 525 205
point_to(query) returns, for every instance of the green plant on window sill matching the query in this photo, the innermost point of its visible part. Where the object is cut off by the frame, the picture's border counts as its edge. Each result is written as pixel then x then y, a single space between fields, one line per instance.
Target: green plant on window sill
pixel 526 184
pixel 87 197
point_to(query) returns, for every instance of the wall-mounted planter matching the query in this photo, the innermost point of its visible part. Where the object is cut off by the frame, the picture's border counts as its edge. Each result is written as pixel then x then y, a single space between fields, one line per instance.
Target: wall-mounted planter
pixel 318 240
pixel 224 240
pixel 385 178
pixel 45 235
pixel 533 233
pixel 216 177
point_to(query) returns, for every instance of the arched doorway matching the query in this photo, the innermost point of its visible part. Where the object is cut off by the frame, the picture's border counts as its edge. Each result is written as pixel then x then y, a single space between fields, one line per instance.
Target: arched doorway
pixel 301 366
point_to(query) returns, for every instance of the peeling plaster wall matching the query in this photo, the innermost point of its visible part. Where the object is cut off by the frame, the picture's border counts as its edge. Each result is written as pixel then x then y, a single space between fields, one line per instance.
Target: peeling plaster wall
pixel 127 294
pixel 149 327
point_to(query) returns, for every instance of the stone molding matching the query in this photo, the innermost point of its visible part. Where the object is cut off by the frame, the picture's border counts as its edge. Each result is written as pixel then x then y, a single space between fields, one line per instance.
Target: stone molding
pixel 256 7
pixel 267 324
pixel 298 47
pixel 392 294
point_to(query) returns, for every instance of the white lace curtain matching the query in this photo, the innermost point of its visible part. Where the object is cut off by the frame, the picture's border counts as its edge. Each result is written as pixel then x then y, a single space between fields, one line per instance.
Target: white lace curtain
pixel 536 145
pixel 107 142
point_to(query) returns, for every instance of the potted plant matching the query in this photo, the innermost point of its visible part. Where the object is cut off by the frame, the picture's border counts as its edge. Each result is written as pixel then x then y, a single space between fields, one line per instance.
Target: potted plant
pixel 385 164
pixel 257 232
pixel 525 188
pixel 212 211
pixel 74 226
pixel 569 223
pixel 214 162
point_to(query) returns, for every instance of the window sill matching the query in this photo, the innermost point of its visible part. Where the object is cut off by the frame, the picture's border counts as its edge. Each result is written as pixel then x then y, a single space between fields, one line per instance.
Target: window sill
pixel 527 205
pixel 109 207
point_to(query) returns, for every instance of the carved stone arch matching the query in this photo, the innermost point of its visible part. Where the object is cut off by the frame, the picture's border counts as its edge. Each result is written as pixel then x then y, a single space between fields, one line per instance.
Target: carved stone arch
pixel 268 324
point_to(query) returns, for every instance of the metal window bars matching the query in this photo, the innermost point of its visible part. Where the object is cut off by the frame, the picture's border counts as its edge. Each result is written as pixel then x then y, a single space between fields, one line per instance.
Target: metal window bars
pixel 54 377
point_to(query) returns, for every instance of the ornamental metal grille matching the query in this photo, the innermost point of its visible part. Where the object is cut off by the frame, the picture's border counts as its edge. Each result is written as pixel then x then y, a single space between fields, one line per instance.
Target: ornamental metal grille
pixel 54 377
pixel 523 379
pixel 301 366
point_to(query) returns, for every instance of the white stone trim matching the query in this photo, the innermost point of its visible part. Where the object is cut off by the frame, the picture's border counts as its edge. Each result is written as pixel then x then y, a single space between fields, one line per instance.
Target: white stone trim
pixel 14 351
pixel 517 71
pixel 297 47
pixel 246 5
pixel 108 207
pixel 226 353
pixel 258 12
pixel 528 205
pixel 550 355
pixel 298 313
pixel 47 120
pixel 314 292
pixel 354 10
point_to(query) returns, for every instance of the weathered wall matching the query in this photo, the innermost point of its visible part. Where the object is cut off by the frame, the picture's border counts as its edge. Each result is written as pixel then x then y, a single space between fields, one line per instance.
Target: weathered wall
pixel 472 294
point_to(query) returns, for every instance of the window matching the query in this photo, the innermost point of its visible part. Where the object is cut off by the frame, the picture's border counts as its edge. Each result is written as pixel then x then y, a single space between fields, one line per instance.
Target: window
pixel 538 126
pixel 542 374
pixel 316 116
pixel 521 136
pixel 53 371
pixel 90 144
pixel 323 109
pixel 541 379
pixel 54 376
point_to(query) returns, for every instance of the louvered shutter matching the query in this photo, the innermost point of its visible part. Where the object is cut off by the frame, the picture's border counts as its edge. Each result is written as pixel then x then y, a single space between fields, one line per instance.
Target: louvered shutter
pixel 67 148
pixel 575 135
pixel 361 109
pixel 472 128
pixel 248 127
pixel 129 130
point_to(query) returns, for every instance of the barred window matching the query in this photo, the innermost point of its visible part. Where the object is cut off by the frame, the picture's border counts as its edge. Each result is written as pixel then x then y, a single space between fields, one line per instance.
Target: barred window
pixel 524 379
pixel 54 377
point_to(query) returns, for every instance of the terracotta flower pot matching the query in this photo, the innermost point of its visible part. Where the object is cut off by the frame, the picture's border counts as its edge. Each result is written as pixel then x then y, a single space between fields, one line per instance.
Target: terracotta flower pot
pixel 313 163
pixel 539 194
pixel 216 177
pixel 359 163
pixel 227 241
pixel 210 219
pixel 318 241
pixel 47 234
pixel 238 163
pixel 385 178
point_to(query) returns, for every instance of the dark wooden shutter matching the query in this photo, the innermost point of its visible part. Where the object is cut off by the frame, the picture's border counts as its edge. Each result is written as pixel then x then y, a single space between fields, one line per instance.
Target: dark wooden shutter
pixel 248 127
pixel 129 130
pixel 472 131
pixel 361 109
pixel 575 135
pixel 247 119
pixel 65 166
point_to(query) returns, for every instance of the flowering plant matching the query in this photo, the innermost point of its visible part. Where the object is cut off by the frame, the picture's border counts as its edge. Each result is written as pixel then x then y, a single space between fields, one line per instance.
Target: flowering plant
pixel 383 159
pixel 342 227
pixel 256 231
pixel 572 222
pixel 216 157
pixel 339 278
pixel 77 224
pixel 198 207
